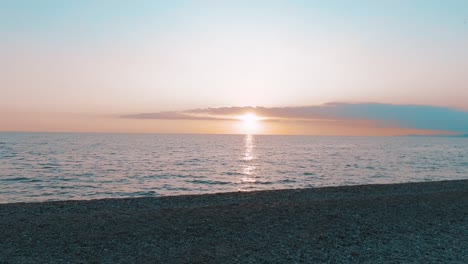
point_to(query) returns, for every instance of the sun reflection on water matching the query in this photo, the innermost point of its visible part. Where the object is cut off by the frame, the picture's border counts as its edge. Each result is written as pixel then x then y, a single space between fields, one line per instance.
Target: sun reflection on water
pixel 249 147
pixel 248 168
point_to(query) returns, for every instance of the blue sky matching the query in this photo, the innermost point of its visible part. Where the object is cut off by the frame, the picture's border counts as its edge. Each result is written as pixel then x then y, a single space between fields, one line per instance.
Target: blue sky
pixel 49 15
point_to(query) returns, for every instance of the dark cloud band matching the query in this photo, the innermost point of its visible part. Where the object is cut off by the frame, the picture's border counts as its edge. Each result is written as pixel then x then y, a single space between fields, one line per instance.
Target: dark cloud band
pixel 407 116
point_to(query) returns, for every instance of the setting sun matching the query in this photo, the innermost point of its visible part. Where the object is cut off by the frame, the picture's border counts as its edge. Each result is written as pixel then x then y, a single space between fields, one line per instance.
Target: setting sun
pixel 249 118
pixel 250 123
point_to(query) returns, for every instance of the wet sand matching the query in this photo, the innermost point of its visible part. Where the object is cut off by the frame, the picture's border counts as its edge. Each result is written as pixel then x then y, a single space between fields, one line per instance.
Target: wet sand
pixel 398 223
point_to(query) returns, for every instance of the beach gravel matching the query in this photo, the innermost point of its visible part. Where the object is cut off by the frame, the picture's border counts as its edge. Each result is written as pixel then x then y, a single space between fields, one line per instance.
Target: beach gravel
pixel 397 223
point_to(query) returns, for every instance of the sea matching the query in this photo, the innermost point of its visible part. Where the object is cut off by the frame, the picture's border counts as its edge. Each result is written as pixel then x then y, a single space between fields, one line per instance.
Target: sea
pixel 36 167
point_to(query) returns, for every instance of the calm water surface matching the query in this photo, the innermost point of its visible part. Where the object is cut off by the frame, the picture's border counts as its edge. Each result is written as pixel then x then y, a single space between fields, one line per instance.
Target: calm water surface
pixel 64 166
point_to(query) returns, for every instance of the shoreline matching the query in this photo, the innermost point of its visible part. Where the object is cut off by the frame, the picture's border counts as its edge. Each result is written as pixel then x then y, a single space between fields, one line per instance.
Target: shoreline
pixel 333 192
pixel 405 222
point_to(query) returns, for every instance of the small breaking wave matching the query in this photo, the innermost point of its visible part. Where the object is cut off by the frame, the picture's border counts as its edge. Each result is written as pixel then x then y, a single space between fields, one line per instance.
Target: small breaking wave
pixel 209 182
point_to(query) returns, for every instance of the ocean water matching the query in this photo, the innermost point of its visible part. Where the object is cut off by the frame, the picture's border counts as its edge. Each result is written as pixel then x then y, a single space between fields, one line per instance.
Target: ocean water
pixel 65 166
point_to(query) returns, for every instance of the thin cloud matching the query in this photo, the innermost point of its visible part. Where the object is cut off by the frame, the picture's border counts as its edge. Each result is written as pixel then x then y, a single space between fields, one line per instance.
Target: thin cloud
pixel 174 116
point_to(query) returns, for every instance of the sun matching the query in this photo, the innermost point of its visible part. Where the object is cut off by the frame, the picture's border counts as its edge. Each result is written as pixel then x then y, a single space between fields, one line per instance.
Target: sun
pixel 249 118
pixel 250 123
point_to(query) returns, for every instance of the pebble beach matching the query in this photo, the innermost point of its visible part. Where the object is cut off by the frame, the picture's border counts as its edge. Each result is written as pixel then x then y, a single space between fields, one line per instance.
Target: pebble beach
pixel 396 223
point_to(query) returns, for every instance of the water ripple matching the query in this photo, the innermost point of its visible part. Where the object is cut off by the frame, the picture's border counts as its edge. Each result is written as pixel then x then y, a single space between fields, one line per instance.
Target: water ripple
pixel 60 166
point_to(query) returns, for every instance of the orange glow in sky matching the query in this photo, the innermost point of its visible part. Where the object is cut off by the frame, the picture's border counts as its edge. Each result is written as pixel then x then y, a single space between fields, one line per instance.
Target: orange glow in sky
pixel 251 124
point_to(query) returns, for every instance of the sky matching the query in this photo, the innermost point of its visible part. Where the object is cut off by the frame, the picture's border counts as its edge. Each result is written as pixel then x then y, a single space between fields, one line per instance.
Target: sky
pixel 304 67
